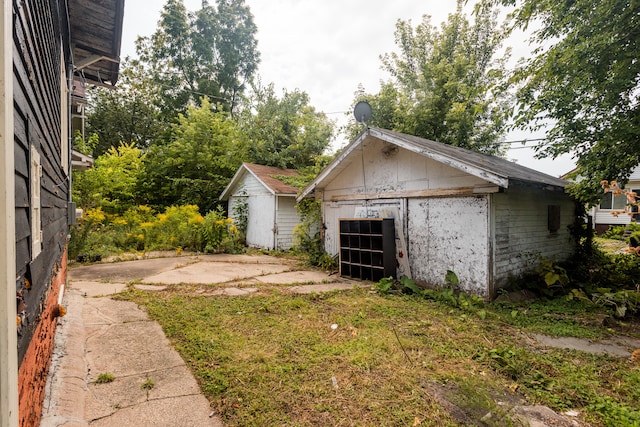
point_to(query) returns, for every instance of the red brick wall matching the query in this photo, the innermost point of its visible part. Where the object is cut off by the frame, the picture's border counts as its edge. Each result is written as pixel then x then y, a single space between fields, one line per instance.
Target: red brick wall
pixel 32 375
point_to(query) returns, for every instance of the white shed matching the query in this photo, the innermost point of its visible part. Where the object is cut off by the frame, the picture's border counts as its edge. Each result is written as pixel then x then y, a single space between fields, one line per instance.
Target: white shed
pixel 485 218
pixel 270 205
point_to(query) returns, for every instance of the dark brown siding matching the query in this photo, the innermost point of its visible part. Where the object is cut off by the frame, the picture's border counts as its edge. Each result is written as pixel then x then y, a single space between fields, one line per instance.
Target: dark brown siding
pixel 37 94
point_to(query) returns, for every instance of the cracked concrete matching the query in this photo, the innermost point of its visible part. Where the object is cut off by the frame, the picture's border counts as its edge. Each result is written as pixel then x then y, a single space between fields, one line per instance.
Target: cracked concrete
pixel 100 335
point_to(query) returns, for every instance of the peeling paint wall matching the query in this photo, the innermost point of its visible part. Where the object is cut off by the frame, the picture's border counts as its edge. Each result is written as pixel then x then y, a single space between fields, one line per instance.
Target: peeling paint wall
pixel 450 234
pixel 399 170
pixel 485 239
pixel 331 213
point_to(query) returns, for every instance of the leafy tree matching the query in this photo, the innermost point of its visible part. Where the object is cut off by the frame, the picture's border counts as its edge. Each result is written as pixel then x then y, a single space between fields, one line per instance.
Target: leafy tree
pixel 447 84
pixel 286 132
pixel 125 113
pixel 583 82
pixel 194 167
pixel 111 184
pixel 212 52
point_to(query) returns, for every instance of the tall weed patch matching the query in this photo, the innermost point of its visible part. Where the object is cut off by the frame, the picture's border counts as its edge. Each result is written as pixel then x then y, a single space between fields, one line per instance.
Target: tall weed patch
pixel 141 229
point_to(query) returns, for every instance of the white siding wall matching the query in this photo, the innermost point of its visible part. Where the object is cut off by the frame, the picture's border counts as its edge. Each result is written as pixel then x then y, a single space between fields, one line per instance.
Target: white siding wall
pixel 603 216
pixel 261 211
pixel 450 234
pixel 402 171
pixel 287 218
pixel 521 230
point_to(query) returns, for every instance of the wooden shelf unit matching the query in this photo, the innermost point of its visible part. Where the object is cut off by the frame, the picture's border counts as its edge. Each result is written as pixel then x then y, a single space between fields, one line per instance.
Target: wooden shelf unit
pixel 367 248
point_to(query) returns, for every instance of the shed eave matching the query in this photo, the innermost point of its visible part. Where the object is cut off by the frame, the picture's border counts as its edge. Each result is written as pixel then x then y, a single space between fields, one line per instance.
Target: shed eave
pixel 269 189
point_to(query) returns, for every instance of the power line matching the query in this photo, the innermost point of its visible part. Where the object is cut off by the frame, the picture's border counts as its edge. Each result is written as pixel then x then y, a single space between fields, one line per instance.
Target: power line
pixel 524 141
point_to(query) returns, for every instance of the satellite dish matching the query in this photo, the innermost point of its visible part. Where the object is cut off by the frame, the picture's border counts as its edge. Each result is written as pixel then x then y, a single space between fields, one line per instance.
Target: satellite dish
pixel 362 112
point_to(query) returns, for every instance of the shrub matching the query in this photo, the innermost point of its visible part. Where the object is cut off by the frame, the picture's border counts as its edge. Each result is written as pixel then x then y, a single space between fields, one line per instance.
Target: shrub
pixel 140 229
pixel 614 233
pixel 306 235
pixel 178 226
pixel 219 234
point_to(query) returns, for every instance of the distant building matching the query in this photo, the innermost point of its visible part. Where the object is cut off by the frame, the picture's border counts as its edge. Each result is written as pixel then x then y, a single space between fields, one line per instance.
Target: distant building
pixel 603 214
pixel 270 205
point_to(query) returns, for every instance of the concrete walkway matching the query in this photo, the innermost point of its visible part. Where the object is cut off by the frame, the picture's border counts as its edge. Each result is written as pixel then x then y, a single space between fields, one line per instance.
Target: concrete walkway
pixel 151 386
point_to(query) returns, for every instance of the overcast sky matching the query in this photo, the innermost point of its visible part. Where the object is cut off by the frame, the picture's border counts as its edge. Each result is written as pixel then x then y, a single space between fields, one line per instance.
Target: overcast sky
pixel 327 48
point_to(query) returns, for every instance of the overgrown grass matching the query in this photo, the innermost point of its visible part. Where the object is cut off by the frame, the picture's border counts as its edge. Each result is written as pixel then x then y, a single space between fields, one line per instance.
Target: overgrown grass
pixel 274 359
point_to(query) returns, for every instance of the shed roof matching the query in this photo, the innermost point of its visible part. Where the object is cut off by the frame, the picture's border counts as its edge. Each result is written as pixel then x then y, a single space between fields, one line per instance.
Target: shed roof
pixel 493 169
pixel 95 28
pixel 266 175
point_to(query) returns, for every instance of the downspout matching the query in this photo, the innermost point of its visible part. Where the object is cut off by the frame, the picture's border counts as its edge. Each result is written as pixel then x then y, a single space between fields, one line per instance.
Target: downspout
pixel 275 224
pixel 8 333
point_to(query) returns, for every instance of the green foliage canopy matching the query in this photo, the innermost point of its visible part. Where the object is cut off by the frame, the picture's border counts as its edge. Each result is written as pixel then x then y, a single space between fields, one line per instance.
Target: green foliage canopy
pixel 448 84
pixel 112 183
pixel 205 150
pixel 125 113
pixel 212 52
pixel 285 132
pixel 583 82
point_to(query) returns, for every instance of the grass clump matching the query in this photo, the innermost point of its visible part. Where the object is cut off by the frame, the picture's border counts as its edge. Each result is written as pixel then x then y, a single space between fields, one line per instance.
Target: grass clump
pixel 105 378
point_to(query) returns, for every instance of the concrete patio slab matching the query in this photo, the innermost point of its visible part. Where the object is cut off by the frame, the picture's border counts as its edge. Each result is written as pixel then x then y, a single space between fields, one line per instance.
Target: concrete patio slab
pixel 214 272
pixel 95 289
pixel 184 411
pixel 102 335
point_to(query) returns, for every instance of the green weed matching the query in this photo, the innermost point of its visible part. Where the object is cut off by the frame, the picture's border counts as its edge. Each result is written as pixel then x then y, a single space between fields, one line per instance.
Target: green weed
pixel 105 378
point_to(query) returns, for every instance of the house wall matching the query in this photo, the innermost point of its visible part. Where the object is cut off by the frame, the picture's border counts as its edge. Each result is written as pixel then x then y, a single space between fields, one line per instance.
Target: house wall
pixel 8 336
pixel 287 218
pixel 261 211
pixel 38 129
pixel 521 232
pixel 602 218
pixel 450 233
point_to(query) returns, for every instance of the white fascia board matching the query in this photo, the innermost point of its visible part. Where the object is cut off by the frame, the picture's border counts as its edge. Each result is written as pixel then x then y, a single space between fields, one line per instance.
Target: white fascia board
pixel 224 196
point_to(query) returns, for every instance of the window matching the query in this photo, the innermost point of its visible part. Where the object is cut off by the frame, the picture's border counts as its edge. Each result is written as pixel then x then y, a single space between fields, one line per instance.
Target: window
pixel 609 201
pixel 35 173
pixel 553 218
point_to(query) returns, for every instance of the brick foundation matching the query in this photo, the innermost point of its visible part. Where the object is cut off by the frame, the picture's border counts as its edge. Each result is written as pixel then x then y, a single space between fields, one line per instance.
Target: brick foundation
pixel 32 375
